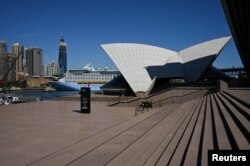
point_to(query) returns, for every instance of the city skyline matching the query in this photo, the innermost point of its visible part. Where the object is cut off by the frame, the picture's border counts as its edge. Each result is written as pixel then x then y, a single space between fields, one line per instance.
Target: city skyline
pixel 88 24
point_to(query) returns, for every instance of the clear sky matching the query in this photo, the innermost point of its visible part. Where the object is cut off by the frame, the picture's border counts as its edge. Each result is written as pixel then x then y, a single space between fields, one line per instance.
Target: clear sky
pixel 86 24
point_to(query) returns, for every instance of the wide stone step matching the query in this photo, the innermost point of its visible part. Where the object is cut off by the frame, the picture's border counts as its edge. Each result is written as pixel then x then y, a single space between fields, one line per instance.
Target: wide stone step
pixel 141 150
pixel 242 123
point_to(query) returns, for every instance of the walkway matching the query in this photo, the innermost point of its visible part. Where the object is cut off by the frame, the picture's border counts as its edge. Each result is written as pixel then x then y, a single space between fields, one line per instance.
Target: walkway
pixel 54 133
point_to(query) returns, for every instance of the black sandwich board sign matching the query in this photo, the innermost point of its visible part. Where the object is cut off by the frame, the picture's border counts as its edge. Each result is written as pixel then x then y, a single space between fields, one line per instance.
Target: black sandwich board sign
pixel 85 99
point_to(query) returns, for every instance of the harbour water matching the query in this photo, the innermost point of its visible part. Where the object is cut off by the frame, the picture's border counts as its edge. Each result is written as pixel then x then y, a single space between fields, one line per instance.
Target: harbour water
pixel 41 95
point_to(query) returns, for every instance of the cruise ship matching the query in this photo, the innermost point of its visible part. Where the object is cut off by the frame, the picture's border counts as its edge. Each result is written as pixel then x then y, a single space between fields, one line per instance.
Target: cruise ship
pixel 88 76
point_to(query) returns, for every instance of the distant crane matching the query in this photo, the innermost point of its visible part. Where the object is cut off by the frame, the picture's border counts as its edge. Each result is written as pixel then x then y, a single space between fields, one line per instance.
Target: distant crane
pixel 12 65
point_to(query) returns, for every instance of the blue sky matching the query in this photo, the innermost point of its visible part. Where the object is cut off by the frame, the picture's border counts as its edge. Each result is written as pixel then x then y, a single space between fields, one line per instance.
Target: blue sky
pixel 86 24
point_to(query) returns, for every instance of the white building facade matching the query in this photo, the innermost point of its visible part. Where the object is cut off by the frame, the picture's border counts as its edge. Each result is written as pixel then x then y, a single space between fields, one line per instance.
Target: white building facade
pixel 52 69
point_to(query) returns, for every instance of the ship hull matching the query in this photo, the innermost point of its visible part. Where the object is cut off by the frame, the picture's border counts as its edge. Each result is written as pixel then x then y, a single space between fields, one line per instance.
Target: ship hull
pixel 71 86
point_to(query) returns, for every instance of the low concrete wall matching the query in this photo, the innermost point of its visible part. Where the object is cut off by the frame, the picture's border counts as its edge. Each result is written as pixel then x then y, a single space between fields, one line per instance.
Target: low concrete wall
pixel 223 86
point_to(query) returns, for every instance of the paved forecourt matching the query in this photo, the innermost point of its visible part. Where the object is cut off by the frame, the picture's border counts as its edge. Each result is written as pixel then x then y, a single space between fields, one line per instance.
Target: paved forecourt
pixel 33 131
pixel 55 133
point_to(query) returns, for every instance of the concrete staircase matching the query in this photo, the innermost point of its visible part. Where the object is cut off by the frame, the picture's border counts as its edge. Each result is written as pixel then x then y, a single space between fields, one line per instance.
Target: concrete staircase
pixel 177 134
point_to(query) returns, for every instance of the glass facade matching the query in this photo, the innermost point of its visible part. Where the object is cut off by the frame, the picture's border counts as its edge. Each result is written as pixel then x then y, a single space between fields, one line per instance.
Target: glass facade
pixel 62 61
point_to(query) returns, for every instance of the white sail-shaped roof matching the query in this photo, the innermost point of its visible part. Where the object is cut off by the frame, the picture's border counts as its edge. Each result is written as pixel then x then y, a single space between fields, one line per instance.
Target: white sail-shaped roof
pixel 212 47
pixel 197 58
pixel 131 60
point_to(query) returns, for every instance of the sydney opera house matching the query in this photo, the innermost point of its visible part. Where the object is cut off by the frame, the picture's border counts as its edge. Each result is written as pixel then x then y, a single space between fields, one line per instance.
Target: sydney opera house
pixel 142 65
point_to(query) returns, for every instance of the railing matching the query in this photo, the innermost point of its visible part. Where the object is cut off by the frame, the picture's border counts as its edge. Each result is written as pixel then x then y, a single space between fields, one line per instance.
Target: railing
pixel 162 90
pixel 179 99
pixel 170 86
pixel 124 99
pixel 121 99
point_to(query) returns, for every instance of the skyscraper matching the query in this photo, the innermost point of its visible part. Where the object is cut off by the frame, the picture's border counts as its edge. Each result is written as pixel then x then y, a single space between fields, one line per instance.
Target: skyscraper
pixel 16 49
pixel 34 61
pixel 3 50
pixel 3 47
pixel 9 59
pixel 62 61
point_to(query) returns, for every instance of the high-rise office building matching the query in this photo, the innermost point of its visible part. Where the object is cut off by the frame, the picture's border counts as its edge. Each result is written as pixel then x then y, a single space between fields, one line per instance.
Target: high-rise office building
pixel 3 51
pixel 62 60
pixel 17 49
pixel 3 48
pixel 34 61
pixel 8 62
pixel 25 70
pixel 52 69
